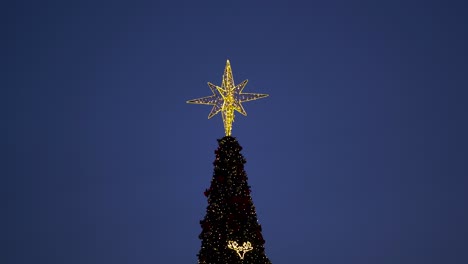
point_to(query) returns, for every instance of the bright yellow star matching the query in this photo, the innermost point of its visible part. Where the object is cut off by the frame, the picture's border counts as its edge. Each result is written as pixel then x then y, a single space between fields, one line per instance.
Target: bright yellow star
pixel 227 98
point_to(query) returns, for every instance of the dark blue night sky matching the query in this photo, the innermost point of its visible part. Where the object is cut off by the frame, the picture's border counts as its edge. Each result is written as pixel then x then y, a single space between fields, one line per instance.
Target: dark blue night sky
pixel 359 154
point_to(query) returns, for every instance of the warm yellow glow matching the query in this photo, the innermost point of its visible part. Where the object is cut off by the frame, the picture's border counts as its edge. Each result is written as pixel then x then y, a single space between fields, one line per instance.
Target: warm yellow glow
pixel 227 98
pixel 241 250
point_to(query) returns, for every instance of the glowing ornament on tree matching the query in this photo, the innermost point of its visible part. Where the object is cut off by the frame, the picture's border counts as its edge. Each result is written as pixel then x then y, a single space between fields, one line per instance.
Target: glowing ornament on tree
pixel 227 98
pixel 241 250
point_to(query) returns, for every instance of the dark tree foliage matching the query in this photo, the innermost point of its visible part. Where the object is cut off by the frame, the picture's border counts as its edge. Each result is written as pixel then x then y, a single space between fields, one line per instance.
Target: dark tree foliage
pixel 230 215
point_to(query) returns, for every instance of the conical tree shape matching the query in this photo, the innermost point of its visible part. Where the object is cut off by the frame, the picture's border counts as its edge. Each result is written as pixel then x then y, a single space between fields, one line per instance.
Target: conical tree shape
pixel 230 233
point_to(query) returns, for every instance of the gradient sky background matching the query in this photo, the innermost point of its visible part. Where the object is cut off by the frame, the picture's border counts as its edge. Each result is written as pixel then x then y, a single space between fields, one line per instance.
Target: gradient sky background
pixel 359 155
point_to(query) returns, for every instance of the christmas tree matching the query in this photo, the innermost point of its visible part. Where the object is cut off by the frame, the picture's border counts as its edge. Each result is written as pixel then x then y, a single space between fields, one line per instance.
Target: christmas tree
pixel 230 230
pixel 230 233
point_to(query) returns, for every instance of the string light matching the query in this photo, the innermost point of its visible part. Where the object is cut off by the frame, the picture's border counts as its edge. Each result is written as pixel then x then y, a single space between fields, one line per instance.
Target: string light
pixel 227 98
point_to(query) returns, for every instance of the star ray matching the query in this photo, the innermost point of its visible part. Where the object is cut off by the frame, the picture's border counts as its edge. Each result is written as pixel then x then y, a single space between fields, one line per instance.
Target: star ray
pixel 238 89
pixel 245 97
pixel 239 108
pixel 208 100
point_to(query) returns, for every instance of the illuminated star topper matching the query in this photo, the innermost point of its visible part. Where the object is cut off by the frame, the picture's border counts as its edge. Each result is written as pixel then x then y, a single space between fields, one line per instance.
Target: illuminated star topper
pixel 227 98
